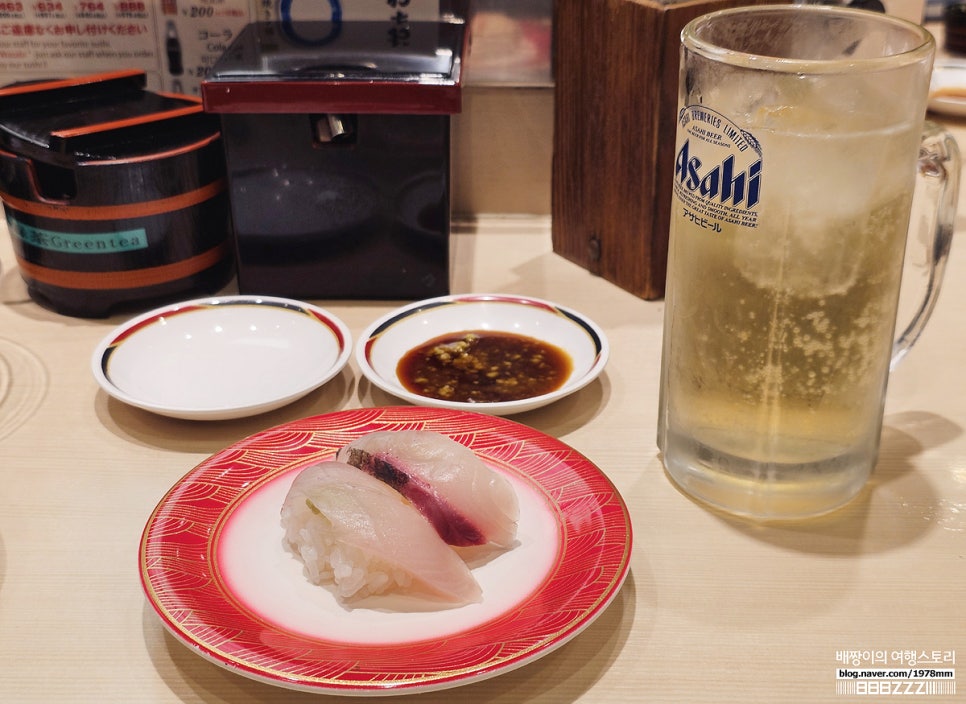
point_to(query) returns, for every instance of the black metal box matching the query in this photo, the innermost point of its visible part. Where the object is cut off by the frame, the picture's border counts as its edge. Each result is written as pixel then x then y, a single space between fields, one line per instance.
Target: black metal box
pixel 337 143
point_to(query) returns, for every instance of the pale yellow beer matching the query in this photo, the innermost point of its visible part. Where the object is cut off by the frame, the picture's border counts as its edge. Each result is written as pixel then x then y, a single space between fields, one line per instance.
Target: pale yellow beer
pixel 792 204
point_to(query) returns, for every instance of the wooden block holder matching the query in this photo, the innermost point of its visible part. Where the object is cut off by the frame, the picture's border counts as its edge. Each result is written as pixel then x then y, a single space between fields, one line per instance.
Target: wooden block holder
pixel 616 72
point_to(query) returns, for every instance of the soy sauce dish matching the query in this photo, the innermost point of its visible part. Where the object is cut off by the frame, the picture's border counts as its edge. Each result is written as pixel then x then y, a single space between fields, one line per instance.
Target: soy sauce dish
pixel 223 357
pixel 491 353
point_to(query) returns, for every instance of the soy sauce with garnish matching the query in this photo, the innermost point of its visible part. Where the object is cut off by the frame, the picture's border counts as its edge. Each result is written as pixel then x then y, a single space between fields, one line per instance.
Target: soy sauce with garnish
pixel 481 366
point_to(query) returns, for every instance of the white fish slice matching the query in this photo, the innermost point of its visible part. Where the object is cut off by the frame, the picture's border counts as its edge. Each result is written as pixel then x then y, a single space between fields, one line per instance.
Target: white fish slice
pixel 468 503
pixel 356 532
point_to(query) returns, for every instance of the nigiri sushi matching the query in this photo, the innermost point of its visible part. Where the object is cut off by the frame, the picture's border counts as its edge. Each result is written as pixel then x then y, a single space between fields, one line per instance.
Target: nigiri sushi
pixel 356 532
pixel 467 502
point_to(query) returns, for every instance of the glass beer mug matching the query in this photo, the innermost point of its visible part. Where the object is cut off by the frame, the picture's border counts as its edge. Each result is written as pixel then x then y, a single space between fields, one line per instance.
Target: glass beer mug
pixel 800 129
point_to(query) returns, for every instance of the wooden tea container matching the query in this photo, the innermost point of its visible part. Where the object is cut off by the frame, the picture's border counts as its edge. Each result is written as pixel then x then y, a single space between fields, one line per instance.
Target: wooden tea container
pixel 616 73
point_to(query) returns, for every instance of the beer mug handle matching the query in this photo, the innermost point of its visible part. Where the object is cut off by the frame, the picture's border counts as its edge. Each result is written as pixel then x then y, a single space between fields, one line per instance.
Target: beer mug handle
pixel 938 184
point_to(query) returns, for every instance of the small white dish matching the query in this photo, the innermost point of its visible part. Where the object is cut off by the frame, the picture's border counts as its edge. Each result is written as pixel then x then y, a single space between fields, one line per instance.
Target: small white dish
pixel 384 343
pixel 223 357
pixel 947 89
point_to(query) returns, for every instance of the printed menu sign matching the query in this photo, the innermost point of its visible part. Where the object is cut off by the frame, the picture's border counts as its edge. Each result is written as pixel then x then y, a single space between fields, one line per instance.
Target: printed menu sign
pixel 176 42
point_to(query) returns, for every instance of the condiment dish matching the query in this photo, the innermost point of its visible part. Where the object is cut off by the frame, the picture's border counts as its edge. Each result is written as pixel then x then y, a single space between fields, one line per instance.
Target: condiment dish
pixel 389 339
pixel 947 89
pixel 222 357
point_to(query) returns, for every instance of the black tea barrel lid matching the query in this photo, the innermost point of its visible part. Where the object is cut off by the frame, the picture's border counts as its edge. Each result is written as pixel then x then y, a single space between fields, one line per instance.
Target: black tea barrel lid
pixel 343 66
pixel 97 117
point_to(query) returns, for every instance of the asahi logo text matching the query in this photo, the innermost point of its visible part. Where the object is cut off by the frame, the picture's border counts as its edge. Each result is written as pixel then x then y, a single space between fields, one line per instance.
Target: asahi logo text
pixel 717 170
pixel 721 182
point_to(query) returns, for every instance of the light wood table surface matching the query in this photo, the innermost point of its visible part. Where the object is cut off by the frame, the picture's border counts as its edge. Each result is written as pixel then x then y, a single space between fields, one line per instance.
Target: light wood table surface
pixel 715 609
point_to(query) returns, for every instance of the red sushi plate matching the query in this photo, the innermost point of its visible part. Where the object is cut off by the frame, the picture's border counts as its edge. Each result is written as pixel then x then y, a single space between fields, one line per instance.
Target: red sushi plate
pixel 214 568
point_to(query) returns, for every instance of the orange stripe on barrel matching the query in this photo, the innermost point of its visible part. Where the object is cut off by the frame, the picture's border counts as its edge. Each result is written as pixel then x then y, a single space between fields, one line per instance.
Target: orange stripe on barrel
pixel 116 212
pixel 100 127
pixel 133 278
